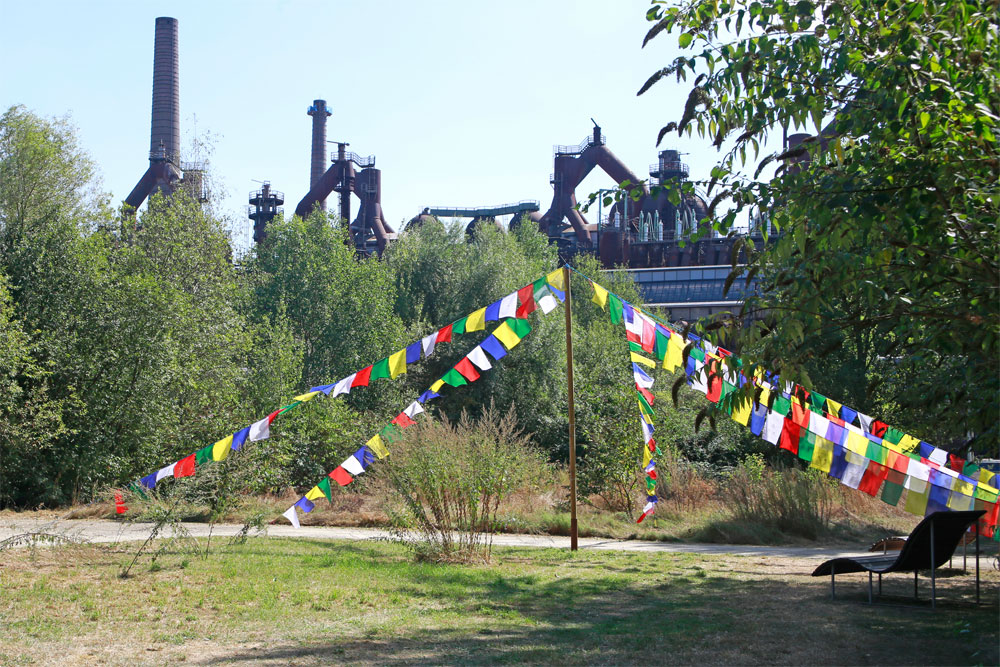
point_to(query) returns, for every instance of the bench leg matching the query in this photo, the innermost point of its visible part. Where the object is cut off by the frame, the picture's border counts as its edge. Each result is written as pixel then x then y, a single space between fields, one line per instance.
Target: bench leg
pixel 880 584
pixel 870 587
pixel 833 584
pixel 933 577
pixel 915 596
pixel 977 561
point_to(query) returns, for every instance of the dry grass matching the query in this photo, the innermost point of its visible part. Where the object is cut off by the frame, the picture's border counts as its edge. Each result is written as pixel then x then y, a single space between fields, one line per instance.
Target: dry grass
pixel 316 602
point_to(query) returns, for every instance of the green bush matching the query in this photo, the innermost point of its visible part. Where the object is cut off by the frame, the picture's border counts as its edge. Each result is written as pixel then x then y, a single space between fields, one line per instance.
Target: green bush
pixel 449 480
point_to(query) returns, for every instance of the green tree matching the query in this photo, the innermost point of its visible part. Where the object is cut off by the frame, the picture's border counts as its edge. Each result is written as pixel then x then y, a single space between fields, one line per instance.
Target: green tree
pixel 887 215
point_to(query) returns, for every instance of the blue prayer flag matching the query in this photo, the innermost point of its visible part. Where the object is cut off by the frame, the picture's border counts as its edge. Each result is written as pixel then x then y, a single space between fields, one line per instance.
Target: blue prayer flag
pixel 239 438
pixel 847 414
pixel 493 311
pixel 149 481
pixel 413 352
pixel 305 505
pixel 493 345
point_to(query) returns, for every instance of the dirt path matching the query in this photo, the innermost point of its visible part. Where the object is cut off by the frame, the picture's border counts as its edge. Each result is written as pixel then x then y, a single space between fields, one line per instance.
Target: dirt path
pixel 90 530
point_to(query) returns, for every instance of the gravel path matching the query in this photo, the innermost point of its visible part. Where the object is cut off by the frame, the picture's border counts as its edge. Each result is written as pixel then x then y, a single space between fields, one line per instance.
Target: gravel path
pixel 91 530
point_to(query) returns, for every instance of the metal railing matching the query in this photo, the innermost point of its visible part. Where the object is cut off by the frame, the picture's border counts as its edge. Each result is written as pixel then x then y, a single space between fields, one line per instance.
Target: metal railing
pixel 579 148
pixel 161 154
pixel 655 170
pixel 363 162
pixel 522 206
pixel 259 194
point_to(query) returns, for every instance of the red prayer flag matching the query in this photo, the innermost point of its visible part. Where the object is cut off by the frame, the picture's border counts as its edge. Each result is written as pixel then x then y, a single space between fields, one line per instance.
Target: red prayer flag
pixel 444 335
pixel 872 480
pixel 652 445
pixel 402 420
pixel 270 417
pixel 120 506
pixel 879 428
pixel 361 378
pixel 956 463
pixel 526 295
pixel 651 474
pixel 723 352
pixel 714 382
pixel 835 419
pixel 648 335
pixel 647 394
pixel 467 370
pixel 341 476
pixel 184 467
pixel 790 436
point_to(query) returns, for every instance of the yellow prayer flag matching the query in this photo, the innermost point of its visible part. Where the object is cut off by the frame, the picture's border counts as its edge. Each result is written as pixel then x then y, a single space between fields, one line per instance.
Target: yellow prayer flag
pixel 986 476
pixel 397 363
pixel 476 321
pixel 220 450
pixel 987 487
pixel 675 353
pixel 822 455
pixel 557 280
pixel 437 385
pixel 647 456
pixel 741 413
pixel 833 407
pixel 765 396
pixel 916 497
pixel 908 443
pixel 963 487
pixel 857 443
pixel 506 336
pixel 639 359
pixel 305 397
pixel 377 446
pixel 315 493
pixel 600 295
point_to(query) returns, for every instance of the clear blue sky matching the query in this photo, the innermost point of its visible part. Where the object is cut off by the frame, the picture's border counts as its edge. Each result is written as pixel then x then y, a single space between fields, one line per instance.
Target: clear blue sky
pixel 460 101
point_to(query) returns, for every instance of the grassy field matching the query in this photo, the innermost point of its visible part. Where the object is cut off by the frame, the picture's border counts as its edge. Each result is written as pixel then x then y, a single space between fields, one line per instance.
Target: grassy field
pixel 274 601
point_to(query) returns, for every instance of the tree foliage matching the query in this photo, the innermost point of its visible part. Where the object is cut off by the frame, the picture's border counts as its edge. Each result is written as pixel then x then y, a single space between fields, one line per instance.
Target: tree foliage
pixel 886 217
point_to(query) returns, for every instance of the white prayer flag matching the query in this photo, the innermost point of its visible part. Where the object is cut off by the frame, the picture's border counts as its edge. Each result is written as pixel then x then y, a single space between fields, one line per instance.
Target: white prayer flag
pixel 413 409
pixel 508 306
pixel 478 357
pixel 260 430
pixel 165 472
pixel 344 386
pixel 291 516
pixel 773 425
pixel 352 465
pixel 428 343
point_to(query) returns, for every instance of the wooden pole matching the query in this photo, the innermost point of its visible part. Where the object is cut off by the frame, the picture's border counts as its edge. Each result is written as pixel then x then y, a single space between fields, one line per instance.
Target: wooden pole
pixel 572 413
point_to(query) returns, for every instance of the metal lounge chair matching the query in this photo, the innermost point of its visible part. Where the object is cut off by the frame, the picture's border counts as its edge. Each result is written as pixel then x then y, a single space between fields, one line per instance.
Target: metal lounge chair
pixel 929 546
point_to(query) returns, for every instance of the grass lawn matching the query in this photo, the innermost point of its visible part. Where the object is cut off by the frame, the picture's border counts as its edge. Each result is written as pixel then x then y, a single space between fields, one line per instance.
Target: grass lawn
pixel 279 601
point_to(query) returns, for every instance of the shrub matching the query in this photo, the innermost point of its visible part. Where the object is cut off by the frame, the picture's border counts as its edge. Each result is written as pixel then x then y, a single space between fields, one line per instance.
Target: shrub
pixel 789 500
pixel 449 480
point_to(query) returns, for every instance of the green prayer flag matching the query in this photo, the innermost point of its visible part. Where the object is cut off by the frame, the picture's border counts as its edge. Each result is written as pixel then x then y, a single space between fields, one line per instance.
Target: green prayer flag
pixel 875 452
pixel 380 369
pixel 390 433
pixel 615 309
pixel 893 435
pixel 137 488
pixel 459 326
pixel 660 348
pixel 519 327
pixel 454 378
pixel 203 455
pixel 781 405
pixel 807 441
pixel 635 347
pixel 891 493
pixel 817 403
pixel 644 405
pixel 324 486
pixel 697 353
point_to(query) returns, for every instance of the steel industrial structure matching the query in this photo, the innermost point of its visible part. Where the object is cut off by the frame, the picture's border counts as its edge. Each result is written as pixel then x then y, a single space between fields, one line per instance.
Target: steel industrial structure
pixel 643 234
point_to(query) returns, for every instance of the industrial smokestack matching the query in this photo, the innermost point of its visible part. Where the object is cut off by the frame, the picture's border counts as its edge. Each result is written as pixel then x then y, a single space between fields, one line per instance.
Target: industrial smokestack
pixel 319 112
pixel 165 129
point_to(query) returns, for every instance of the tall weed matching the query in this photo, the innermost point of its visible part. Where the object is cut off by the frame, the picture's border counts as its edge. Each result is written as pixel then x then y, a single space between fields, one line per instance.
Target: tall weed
pixel 450 480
